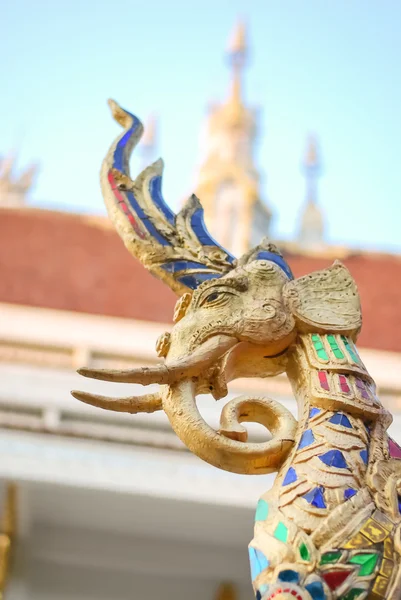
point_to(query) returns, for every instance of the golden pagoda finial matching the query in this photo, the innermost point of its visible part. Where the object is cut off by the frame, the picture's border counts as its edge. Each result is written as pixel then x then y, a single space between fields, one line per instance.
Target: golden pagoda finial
pixel 312 225
pixel 312 167
pixel 311 162
pixel 237 55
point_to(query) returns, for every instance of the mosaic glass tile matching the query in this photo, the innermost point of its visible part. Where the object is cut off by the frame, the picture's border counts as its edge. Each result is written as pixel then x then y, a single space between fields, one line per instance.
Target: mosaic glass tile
pixel 304 552
pixel 344 387
pixel 362 388
pixel 324 383
pixel 352 594
pixel 281 532
pixel 349 346
pixel 394 449
pixel 334 347
pixel 307 439
pixel 262 510
pixel 348 493
pixel 366 561
pixel 334 458
pixel 335 578
pixel 319 348
pixel 341 419
pixel 289 576
pixel 316 497
pixel 258 561
pixel 316 590
pixel 330 557
pixel 290 477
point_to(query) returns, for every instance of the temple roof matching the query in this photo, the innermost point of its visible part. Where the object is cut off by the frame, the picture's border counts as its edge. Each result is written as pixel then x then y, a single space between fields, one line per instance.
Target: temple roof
pixel 78 263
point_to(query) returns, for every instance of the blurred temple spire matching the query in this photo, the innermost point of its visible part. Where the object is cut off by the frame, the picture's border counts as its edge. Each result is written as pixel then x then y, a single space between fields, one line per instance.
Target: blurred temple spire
pixel 311 232
pixel 237 56
pixel 15 187
pixel 228 180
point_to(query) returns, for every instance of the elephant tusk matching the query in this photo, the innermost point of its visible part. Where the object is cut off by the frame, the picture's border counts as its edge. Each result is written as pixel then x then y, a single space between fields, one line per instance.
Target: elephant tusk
pixel 143 375
pixel 184 368
pixel 148 403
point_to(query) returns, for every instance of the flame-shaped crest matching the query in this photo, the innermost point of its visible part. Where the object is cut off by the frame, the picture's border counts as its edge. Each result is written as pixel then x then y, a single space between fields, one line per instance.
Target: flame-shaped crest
pixel 176 248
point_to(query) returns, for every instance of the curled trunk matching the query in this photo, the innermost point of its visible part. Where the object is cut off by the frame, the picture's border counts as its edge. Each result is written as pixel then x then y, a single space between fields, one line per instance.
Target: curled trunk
pixel 218 448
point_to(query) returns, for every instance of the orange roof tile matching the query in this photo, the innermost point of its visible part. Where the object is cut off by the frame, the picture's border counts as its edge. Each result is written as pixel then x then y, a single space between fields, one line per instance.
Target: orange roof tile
pixel 70 262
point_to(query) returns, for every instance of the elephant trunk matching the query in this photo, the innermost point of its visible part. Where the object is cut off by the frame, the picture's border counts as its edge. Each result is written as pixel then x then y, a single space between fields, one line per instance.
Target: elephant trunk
pixel 218 448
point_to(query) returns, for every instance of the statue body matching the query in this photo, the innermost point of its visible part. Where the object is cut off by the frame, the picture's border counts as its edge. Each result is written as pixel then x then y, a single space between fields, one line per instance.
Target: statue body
pixel 329 529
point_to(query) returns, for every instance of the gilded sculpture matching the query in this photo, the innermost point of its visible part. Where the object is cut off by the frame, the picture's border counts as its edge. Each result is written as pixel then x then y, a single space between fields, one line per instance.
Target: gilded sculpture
pixel 329 529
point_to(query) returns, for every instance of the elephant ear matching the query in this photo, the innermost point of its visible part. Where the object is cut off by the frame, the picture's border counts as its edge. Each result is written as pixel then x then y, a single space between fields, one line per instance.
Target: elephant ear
pixel 325 301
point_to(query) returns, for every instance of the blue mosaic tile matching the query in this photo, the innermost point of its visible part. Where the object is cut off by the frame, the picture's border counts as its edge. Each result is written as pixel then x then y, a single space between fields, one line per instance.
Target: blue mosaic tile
pixel 348 493
pixel 155 188
pixel 258 561
pixel 290 477
pixel 316 497
pixel 193 281
pixel 201 232
pixel 313 412
pixel 316 590
pixel 182 265
pixel 289 576
pixel 340 419
pixel 307 439
pixel 334 458
pixel 365 456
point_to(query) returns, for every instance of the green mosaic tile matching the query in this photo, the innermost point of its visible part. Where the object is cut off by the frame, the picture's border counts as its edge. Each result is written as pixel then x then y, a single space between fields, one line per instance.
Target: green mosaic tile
pixel 350 349
pixel 281 532
pixel 334 346
pixel 367 562
pixel 352 594
pixel 330 557
pixel 304 552
pixel 262 510
pixel 319 348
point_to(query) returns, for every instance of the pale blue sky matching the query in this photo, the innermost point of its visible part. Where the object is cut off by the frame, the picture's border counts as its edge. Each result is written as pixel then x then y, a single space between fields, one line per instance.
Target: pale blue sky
pixel 317 65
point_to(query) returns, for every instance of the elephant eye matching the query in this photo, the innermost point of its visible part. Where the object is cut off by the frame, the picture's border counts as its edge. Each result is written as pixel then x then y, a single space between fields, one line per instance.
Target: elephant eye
pixel 216 298
pixel 212 297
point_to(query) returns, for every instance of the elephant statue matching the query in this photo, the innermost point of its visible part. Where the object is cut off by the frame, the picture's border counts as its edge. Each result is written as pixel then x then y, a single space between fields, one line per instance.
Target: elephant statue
pixel 329 529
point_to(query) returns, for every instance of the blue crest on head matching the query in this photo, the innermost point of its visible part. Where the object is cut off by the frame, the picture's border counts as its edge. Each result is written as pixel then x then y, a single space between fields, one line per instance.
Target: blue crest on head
pixel 277 259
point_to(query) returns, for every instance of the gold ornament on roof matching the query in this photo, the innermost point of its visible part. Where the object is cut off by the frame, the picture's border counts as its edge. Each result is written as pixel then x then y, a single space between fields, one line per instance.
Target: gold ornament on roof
pixel 330 527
